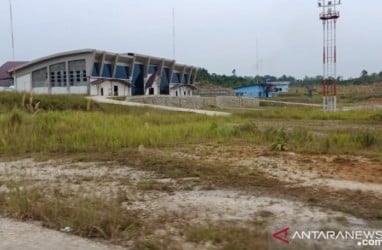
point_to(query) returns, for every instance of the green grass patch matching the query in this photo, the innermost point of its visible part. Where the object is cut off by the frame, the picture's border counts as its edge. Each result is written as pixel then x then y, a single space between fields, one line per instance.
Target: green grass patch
pixel 229 236
pixel 85 216
pixel 63 124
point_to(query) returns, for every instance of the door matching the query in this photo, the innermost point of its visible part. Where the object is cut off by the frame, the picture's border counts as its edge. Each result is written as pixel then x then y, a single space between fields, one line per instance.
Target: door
pixel 101 91
pixel 115 90
pixel 151 91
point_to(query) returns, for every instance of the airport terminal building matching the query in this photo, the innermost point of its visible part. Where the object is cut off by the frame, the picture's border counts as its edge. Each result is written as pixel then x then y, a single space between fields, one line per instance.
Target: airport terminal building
pixel 94 72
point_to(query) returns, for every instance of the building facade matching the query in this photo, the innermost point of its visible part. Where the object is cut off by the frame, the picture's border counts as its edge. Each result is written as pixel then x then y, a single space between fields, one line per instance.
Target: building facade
pixel 6 79
pixel 97 72
pixel 270 89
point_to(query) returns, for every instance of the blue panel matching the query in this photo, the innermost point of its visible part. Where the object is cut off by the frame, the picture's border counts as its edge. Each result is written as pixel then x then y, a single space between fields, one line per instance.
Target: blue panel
pixel 106 72
pixel 165 82
pixel 252 91
pixel 152 69
pixel 175 78
pixel 138 79
pixel 95 71
pixel 122 72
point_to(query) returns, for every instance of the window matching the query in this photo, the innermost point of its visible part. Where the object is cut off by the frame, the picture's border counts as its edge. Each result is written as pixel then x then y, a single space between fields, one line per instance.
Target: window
pixel 96 68
pixel 107 72
pixel 122 72
pixel 176 77
pixel 56 73
pixel 138 80
pixel 52 78
pixel 59 78
pixel 78 76
pixel 64 79
pixel 39 77
pixel 77 72
pixel 185 78
pixel 165 82
pixel 71 77
pixel 152 69
pixel 84 77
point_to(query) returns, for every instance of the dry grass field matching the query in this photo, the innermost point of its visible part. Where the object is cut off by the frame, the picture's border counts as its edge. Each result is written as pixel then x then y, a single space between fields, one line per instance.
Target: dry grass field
pixel 148 179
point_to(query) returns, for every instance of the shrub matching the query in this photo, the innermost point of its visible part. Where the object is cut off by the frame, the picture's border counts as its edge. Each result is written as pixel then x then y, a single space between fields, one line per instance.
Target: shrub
pixel 366 139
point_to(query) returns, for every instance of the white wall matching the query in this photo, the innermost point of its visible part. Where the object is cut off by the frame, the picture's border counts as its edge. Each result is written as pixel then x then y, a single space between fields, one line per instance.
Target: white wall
pixel 24 83
pixel 83 90
pixel 182 91
pixel 94 89
pixel 156 89
pixel 59 90
pixel 41 90
pixel 108 89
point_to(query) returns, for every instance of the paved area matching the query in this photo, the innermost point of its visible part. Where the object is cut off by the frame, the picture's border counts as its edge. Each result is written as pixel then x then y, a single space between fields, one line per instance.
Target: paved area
pixel 15 235
pixel 103 99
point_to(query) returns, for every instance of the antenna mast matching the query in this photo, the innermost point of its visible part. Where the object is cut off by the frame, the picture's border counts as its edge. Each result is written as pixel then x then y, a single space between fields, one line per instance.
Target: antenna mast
pixel 257 61
pixel 12 37
pixel 13 41
pixel 329 16
pixel 173 33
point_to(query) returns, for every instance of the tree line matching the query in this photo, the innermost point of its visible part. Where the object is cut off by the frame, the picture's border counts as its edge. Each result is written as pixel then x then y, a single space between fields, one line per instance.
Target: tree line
pixel 234 81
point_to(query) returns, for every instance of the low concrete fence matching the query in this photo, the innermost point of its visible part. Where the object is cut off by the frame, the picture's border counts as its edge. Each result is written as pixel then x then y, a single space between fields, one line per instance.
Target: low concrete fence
pixel 197 102
pixel 236 102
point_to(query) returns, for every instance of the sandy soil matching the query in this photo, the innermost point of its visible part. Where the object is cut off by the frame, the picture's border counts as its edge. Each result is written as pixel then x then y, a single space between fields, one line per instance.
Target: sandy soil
pixel 195 205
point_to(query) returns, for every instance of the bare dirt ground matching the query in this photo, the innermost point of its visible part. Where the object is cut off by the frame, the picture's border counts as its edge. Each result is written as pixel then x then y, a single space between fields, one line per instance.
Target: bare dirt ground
pixel 183 202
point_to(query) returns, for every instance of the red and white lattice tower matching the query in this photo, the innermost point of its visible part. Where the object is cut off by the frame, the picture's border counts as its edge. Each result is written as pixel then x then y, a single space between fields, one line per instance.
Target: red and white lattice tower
pixel 329 16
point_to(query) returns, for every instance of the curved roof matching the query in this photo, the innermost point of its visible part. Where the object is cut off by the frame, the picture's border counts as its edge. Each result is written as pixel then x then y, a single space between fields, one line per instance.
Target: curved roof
pixel 183 85
pixel 57 55
pixel 102 80
pixel 88 51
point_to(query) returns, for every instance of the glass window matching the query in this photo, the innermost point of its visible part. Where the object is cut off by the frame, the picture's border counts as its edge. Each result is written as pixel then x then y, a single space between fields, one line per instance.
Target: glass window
pixel 122 72
pixel 78 76
pixel 106 72
pixel 39 77
pixel 58 78
pixel 64 79
pixel 71 77
pixel 152 68
pixel 138 79
pixel 185 78
pixel 96 68
pixel 84 76
pixel 176 77
pixel 165 82
pixel 52 78
pixel 56 73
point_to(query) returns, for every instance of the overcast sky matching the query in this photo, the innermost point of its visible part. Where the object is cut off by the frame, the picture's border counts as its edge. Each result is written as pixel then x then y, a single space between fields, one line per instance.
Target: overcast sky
pixel 219 35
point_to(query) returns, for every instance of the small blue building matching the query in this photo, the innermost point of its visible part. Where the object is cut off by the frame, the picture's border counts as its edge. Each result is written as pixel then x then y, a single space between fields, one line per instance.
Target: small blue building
pixel 269 89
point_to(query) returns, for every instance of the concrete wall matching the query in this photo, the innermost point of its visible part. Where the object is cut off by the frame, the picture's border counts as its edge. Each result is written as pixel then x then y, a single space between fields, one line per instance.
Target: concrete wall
pixel 81 90
pixel 41 90
pixel 59 90
pixel 236 102
pixel 197 102
pixel 24 83
pixel 108 89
